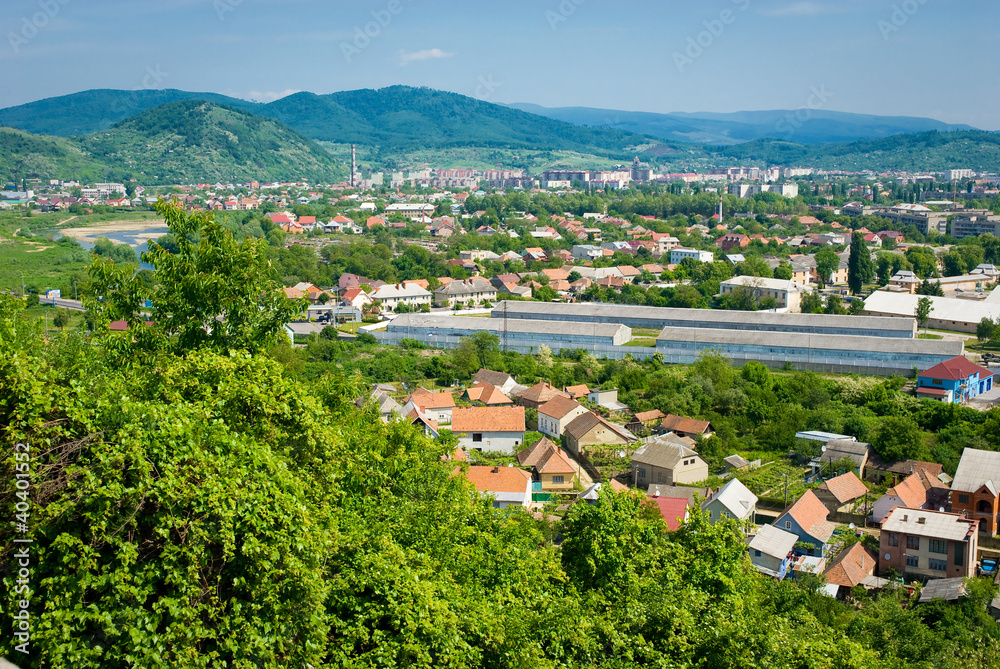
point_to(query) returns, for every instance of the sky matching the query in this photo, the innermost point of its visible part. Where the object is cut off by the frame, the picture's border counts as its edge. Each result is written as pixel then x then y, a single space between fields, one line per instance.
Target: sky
pixel 929 58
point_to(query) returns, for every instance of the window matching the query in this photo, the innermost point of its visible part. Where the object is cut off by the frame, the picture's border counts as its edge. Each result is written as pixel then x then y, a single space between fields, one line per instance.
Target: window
pixel 959 554
pixel 963 499
pixel 710 518
pixel 756 553
pixel 937 565
pixel 893 539
pixel 912 561
pixel 938 546
pixel 661 478
pixel 557 480
pixel 913 542
pixel 788 524
pixel 642 472
pixel 477 437
pixel 937 382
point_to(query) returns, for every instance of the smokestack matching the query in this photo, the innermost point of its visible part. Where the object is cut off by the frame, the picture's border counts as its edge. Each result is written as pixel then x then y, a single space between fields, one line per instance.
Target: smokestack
pixel 354 167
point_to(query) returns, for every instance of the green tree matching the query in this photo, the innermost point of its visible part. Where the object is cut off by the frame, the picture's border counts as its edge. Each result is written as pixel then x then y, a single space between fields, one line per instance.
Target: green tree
pixel 928 288
pixel 811 303
pixel 860 268
pixel 986 330
pixel 827 263
pixel 897 438
pixel 60 318
pixel 923 311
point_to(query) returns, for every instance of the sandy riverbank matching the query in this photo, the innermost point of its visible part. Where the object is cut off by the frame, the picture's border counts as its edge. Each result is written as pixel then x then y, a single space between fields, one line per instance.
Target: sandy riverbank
pixel 90 233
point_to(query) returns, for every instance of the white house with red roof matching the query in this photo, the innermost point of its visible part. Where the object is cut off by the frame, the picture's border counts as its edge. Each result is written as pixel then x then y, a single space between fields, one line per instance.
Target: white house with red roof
pixel 954 381
pixel 491 429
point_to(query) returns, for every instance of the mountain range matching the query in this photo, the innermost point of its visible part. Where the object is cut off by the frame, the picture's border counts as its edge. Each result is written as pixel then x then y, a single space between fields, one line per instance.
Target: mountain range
pixel 169 136
pixel 804 126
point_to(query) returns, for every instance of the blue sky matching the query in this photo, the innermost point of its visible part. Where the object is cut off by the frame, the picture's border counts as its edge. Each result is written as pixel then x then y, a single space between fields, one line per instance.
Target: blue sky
pixel 933 58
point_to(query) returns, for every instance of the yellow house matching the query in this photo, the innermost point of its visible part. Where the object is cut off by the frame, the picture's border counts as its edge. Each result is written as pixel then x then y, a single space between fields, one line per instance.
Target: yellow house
pixel 549 465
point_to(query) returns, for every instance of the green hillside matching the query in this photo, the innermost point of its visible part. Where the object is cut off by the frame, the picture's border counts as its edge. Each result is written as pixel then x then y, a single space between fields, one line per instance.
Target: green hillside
pixel 25 155
pixel 87 112
pixel 191 140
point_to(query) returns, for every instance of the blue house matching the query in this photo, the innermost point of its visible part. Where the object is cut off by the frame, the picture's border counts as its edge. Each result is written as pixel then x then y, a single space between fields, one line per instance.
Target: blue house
pixel 806 519
pixel 956 380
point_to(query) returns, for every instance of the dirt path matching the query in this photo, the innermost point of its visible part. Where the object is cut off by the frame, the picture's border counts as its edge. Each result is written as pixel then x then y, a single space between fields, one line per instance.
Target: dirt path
pixel 71 218
pixel 39 249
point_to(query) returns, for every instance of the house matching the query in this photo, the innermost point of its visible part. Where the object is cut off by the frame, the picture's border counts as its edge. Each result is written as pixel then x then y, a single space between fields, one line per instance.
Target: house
pixel 476 289
pixel 589 429
pixel 806 519
pixel 437 406
pixel 909 493
pixel 606 398
pixel 674 510
pixel 841 492
pixel 577 392
pixel 355 297
pixel 686 427
pixel 508 486
pixel 556 414
pixel 853 566
pixel 488 394
pixel 954 381
pixel 391 296
pixel 493 429
pixel 501 380
pixel 667 459
pixel 838 450
pixel 733 241
pixel 733 500
pixel 929 544
pixel 735 462
pixel 549 465
pixel 539 394
pixel 771 551
pixel 387 407
pixel 976 488
pixel 644 420
pixel 786 293
pixel 428 426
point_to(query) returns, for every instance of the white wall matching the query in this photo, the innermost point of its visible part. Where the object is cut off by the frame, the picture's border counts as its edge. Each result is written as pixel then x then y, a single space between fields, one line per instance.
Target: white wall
pixel 503 442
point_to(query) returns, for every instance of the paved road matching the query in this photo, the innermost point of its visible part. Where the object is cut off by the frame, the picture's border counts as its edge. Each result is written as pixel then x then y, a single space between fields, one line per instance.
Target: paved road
pixel 75 305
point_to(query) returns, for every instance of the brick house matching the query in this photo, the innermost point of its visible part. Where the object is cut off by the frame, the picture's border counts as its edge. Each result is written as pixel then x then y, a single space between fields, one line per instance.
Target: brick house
pixel 976 488
pixel 930 544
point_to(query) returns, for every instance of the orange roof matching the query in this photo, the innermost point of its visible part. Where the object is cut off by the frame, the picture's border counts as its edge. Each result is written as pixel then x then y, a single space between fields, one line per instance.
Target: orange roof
pixel 487 419
pixel 809 512
pixel 643 416
pixel 428 400
pixel 852 566
pixel 497 479
pixel 845 487
pixel 910 491
pixel 558 406
pixel 684 424
pixel 487 394
pixel 423 283
pixel 533 454
pixel 577 391
pixel 541 392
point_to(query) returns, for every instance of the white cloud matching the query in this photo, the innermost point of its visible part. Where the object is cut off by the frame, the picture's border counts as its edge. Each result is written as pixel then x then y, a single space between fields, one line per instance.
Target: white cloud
pixel 427 54
pixel 804 8
pixel 271 96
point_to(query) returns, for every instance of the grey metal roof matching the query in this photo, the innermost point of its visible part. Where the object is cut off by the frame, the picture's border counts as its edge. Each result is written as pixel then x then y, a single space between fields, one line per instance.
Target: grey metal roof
pixel 933 524
pixel 615 312
pixel 812 341
pixel 403 321
pixel 773 541
pixel 948 589
pixel 736 498
pixel 975 469
pixel 662 453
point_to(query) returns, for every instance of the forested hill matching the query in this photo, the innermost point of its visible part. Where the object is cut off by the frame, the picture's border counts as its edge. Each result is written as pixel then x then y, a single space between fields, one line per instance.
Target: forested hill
pixel 930 151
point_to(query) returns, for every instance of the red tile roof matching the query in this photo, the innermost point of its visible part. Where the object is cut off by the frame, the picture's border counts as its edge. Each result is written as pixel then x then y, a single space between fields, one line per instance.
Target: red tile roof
pixel 487 419
pixel 541 393
pixel 852 566
pixel 558 407
pixel 684 424
pixel 487 394
pixel 845 488
pixel 577 391
pixel 428 400
pixel 809 512
pixel 673 510
pixel 910 491
pixel 956 369
pixel 497 479
pixel 644 416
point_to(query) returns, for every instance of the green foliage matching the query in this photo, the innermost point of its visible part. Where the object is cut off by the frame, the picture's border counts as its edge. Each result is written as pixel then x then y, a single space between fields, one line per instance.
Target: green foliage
pixel 860 268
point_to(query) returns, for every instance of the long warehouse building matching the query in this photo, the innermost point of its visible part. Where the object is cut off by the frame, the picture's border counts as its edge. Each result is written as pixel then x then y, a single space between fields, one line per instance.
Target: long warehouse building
pixel 664 317
pixel 826 353
pixel 521 336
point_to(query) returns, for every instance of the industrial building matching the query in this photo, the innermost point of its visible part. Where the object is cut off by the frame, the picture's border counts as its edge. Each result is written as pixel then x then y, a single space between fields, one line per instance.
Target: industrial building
pixel 949 313
pixel 829 353
pixel 518 335
pixel 662 317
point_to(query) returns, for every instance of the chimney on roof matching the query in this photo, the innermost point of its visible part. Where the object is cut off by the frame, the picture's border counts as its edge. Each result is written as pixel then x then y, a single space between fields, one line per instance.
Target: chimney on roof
pixel 495 470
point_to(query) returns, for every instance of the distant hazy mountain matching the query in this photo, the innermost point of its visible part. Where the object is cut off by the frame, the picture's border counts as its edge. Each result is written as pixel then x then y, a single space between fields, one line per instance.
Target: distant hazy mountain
pixel 397 117
pixel 802 126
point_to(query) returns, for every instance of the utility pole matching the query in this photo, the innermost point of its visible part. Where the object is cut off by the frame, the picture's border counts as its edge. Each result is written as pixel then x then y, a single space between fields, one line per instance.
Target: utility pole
pixel 786 490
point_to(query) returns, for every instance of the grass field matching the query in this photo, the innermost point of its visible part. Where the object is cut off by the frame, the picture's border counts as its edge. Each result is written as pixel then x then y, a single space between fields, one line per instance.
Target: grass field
pixel 41 265
pixel 646 342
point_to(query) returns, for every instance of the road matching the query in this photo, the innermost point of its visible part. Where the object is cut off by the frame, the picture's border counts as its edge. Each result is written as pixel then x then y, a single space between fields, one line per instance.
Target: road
pixel 75 305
